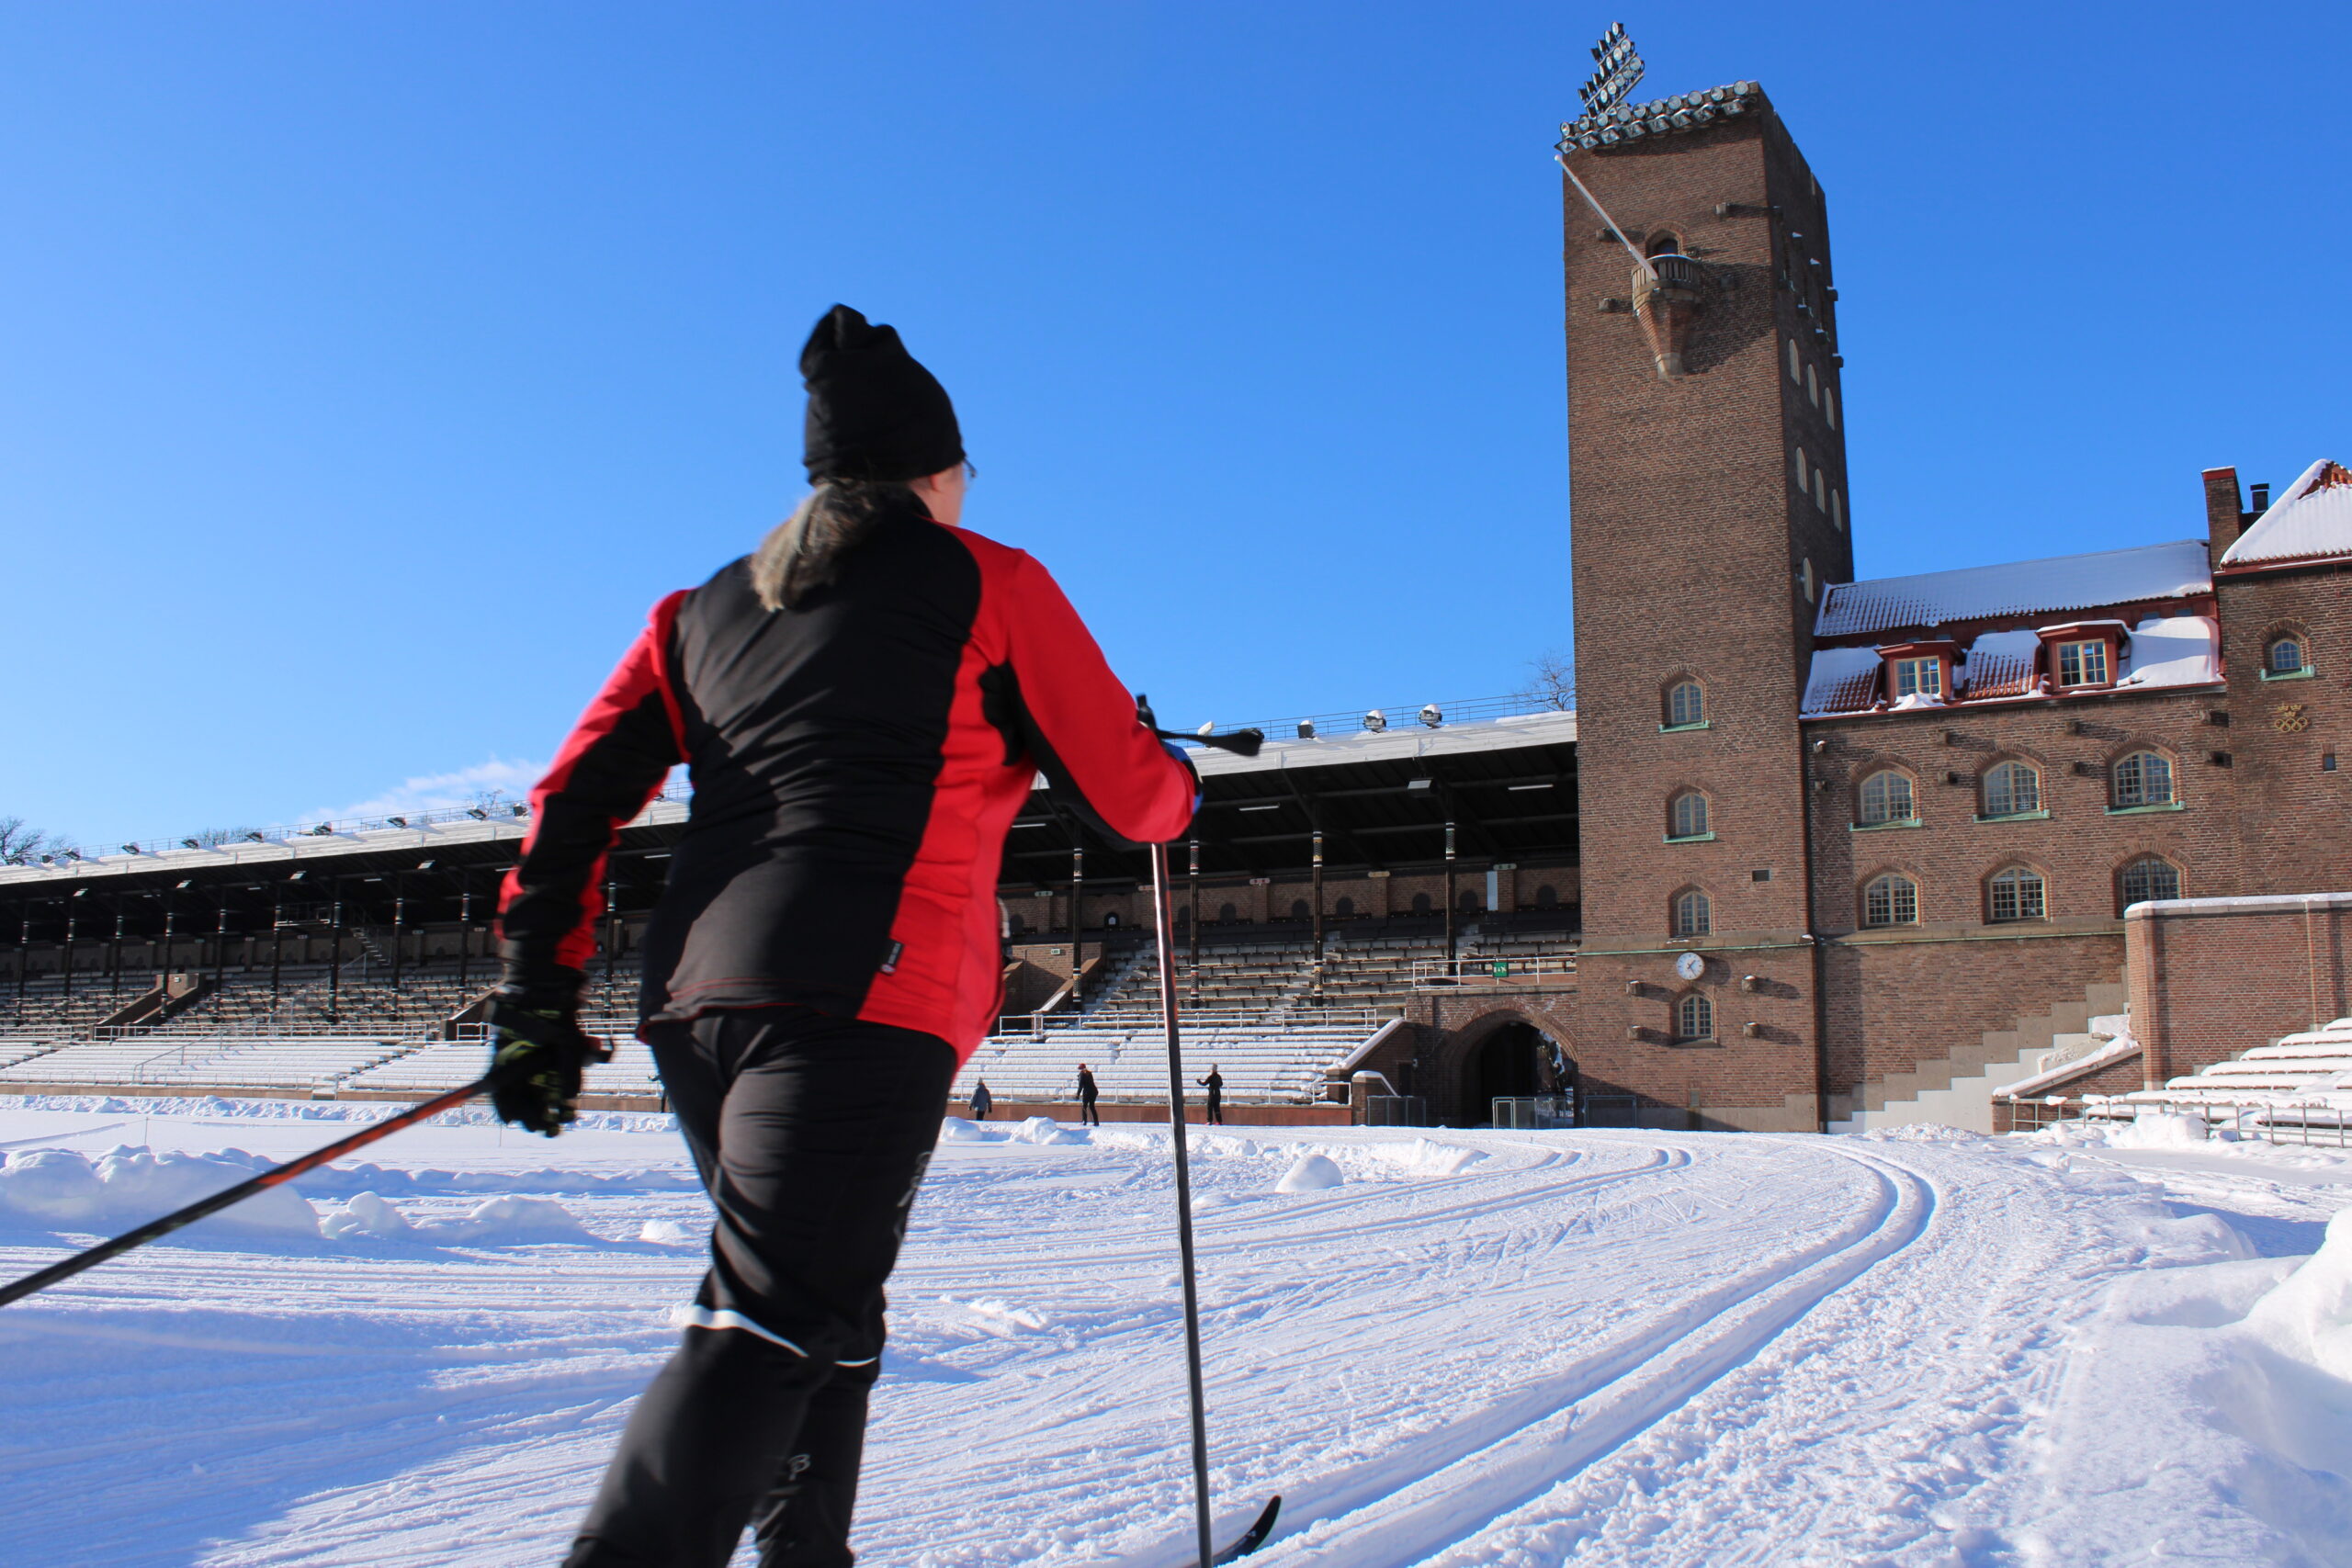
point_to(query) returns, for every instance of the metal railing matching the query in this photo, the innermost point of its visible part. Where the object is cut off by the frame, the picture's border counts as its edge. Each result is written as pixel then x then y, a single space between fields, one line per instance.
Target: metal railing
pixel 2273 1121
pixel 1040 1025
pixel 1491 969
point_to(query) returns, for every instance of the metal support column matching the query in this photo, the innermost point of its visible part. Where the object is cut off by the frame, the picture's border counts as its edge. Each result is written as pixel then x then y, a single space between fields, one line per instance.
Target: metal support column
pixel 1449 901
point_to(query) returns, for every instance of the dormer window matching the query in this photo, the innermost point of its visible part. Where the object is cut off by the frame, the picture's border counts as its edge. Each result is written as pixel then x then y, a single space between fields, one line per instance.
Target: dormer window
pixel 2080 658
pixel 1919 677
pixel 2082 663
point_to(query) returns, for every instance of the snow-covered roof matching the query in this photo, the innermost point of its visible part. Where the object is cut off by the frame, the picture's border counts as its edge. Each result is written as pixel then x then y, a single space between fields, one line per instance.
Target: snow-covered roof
pixel 2314 518
pixel 2016 588
pixel 2163 650
pixel 1399 740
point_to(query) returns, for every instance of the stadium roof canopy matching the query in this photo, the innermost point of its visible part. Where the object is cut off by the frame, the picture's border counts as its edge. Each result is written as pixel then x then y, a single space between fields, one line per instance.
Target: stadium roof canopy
pixel 1381 801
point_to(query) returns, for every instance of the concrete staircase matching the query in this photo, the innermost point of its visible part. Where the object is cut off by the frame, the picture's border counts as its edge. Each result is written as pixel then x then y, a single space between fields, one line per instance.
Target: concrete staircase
pixel 1957 1091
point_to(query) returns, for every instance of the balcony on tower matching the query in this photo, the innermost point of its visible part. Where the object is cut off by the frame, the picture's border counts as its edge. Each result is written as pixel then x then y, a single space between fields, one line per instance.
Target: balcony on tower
pixel 1667 297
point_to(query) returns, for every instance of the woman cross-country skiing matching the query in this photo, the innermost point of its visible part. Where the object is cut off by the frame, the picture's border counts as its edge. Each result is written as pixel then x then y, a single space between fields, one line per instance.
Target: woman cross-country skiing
pixel 864 701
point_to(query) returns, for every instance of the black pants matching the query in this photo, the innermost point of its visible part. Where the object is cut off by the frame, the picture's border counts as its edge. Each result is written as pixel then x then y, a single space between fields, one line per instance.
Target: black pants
pixel 1216 1109
pixel 811 1134
pixel 1087 1113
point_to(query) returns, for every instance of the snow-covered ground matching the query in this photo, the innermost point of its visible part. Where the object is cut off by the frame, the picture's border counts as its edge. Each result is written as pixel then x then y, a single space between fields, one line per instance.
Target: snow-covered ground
pixel 1478 1347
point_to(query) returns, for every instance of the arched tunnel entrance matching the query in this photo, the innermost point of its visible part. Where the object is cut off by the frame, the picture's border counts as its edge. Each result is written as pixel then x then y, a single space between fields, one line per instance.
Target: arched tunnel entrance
pixel 1517 1060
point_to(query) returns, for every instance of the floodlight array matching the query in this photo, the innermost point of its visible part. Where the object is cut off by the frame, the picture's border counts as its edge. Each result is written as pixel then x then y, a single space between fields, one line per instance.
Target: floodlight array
pixel 1664 117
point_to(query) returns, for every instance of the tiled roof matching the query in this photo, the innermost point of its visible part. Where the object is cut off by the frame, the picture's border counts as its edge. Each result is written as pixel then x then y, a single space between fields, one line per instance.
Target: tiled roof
pixel 2314 518
pixel 2016 587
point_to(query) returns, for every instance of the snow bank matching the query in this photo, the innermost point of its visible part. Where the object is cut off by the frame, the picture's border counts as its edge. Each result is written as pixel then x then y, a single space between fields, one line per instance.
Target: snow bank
pixel 60 1190
pixel 365 1215
pixel 358 1111
pixel 1311 1173
pixel 1046 1130
pixel 2159 1129
pixel 2309 1318
pixel 666 1232
pixel 955 1130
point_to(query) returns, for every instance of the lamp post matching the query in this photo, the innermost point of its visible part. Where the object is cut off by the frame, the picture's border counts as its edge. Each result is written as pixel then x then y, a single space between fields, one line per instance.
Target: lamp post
pixel 1192 935
pixel 220 941
pixel 334 954
pixel 612 936
pixel 114 956
pixel 1449 901
pixel 66 964
pixel 400 921
pixel 1318 917
pixel 464 926
pixel 1077 925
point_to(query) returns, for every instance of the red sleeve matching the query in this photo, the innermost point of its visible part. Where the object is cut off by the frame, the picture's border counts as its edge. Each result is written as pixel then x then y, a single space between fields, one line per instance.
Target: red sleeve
pixel 610 766
pixel 1082 721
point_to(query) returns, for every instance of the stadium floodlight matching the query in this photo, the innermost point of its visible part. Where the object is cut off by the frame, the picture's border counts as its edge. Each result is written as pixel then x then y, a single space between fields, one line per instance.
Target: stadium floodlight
pixel 397 821
pixel 49 860
pixel 1306 729
pixel 1376 720
pixel 323 831
pixel 73 854
pixel 256 839
pixel 1617 70
pixel 1431 715
pixel 477 813
pixel 1416 783
pixel 191 844
pixel 130 848
pixel 521 809
pixel 1206 729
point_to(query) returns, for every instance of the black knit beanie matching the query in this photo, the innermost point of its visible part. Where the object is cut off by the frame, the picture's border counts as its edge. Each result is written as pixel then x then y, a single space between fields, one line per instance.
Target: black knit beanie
pixel 874 411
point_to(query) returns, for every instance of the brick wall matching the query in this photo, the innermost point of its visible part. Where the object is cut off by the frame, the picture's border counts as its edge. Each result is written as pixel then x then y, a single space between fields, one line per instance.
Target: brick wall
pixel 2212 977
pixel 1694 551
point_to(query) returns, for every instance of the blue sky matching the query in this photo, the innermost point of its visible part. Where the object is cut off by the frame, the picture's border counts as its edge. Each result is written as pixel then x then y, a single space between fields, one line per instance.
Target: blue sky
pixel 370 369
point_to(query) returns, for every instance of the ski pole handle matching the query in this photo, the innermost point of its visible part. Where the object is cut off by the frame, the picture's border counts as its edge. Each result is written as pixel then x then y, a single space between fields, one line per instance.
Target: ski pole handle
pixel 276 1175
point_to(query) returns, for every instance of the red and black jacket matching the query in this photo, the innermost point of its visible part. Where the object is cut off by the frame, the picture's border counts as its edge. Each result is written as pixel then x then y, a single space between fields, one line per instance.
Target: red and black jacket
pixel 856 763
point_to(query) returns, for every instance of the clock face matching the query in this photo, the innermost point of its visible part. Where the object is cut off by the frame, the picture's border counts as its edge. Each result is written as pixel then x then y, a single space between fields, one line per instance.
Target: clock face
pixel 1689 966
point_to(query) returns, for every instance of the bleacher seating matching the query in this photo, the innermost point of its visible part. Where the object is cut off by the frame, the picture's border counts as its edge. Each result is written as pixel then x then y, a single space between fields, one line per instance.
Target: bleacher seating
pixel 1261 1063
pixel 2311 1070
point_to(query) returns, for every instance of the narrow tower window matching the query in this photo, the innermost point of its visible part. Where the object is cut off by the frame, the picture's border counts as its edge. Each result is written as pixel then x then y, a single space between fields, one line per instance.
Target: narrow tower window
pixel 1796 372
pixel 1694 1018
pixel 1685 703
pixel 2285 656
pixel 1686 815
pixel 1693 915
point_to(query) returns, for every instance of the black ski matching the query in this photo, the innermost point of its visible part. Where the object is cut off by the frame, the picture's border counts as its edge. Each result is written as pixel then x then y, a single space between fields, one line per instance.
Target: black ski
pixel 1255 1536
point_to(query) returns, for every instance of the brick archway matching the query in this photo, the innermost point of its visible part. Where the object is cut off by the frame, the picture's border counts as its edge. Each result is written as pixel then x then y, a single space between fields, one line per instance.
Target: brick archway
pixel 1453 1072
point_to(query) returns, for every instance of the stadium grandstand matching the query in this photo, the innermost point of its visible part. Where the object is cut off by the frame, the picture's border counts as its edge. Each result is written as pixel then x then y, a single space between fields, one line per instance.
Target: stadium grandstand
pixel 1358 862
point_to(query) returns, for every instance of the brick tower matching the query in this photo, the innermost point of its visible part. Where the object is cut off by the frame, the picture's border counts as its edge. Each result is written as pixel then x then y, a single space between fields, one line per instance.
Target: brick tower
pixel 1707 483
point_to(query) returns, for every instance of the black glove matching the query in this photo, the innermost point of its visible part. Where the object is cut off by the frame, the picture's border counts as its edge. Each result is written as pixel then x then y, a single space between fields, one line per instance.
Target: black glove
pixel 538 1050
pixel 1144 715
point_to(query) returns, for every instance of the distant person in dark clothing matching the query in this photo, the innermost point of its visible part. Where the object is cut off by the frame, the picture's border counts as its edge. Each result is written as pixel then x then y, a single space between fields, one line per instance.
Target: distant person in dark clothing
pixel 1214 1084
pixel 982 1100
pixel 1087 1095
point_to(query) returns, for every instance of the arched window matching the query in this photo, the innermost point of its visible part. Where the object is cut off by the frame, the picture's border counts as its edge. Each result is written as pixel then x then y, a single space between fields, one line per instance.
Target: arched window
pixel 2285 655
pixel 1226 914
pixel 1469 903
pixel 1184 915
pixel 1693 914
pixel 2014 894
pixel 1686 703
pixel 1014 925
pixel 1421 905
pixel 1344 908
pixel 2150 876
pixel 2143 778
pixel 2011 789
pixel 1694 1018
pixel 1298 909
pixel 1886 798
pixel 1891 900
pixel 1665 245
pixel 1112 918
pixel 1686 815
pixel 1547 896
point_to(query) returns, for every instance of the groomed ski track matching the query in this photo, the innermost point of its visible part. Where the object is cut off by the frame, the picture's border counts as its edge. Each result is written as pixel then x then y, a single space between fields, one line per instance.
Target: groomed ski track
pixel 1485 1347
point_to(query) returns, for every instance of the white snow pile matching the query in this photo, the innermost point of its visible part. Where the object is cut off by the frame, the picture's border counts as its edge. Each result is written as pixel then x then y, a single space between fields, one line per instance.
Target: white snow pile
pixel 494 1223
pixel 2245 1372
pixel 1311 1173
pixel 65 1191
pixel 667 1233
pixel 1046 1130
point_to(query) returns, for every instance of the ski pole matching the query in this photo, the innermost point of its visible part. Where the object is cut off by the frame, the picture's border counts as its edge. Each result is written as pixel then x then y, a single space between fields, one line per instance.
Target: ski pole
pixel 1245 741
pixel 273 1176
pixel 1164 921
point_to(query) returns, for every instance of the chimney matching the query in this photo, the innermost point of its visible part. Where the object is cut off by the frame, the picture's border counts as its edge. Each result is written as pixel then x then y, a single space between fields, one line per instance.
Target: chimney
pixel 2224 516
